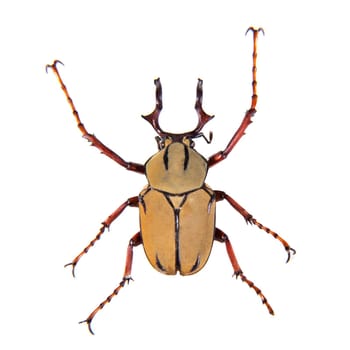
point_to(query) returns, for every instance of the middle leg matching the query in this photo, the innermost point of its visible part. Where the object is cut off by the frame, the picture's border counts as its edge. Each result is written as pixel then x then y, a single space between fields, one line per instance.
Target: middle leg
pixel 220 195
pixel 131 202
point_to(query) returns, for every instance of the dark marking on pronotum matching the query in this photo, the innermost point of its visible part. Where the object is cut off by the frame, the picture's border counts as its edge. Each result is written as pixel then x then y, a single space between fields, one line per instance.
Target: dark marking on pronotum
pixel 166 158
pixel 186 157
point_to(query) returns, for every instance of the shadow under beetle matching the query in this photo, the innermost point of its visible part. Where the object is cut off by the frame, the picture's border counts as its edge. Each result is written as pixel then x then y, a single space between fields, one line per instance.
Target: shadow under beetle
pixel 177 208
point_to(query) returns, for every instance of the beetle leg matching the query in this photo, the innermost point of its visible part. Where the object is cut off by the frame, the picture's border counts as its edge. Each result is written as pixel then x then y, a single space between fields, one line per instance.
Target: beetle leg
pixel 220 236
pixel 134 242
pixel 220 195
pixel 139 168
pixel 221 155
pixel 131 202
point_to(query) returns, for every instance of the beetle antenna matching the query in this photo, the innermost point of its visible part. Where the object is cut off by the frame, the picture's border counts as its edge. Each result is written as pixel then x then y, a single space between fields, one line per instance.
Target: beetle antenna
pixel 159 141
pixel 207 139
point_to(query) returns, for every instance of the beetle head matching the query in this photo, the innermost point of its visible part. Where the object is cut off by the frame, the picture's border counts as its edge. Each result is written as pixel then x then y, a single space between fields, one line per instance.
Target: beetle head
pixel 187 137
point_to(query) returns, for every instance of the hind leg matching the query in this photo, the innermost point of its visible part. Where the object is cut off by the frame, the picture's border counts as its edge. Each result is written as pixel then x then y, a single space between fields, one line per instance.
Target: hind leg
pixel 134 242
pixel 220 236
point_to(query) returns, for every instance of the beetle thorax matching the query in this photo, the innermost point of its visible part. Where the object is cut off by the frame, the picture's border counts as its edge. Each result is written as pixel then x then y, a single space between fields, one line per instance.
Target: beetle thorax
pixel 176 169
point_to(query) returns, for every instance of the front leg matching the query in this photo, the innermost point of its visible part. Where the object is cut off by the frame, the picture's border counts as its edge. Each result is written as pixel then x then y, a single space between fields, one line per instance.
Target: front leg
pixel 221 155
pixel 220 195
pixel 139 168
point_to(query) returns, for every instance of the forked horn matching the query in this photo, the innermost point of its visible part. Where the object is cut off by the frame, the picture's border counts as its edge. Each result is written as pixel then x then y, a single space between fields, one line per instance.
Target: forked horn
pixel 203 118
pixel 153 118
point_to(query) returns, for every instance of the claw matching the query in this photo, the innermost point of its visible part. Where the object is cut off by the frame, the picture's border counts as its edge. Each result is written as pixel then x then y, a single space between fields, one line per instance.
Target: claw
pixel 255 30
pixel 289 249
pixel 249 219
pixel 237 274
pixel 88 321
pixel 53 65
pixel 73 267
pixel 127 279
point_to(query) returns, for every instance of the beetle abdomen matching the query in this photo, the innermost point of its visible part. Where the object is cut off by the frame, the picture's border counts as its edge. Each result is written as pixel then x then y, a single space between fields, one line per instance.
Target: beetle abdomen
pixel 177 230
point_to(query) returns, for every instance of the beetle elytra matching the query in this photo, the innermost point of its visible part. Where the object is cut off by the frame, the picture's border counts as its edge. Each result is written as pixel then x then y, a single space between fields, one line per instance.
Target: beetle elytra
pixel 176 207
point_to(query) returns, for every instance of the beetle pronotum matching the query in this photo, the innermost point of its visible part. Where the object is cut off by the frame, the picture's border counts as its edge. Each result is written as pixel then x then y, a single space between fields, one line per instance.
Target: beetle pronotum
pixel 177 208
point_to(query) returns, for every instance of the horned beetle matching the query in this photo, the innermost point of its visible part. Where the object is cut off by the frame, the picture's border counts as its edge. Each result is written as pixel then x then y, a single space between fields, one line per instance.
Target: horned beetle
pixel 176 207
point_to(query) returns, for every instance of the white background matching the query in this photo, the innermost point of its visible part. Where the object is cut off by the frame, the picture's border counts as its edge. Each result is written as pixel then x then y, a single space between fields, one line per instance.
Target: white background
pixel 290 171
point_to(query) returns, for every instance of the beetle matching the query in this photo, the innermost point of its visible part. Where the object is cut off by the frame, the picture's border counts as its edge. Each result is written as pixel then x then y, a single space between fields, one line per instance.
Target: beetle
pixel 176 207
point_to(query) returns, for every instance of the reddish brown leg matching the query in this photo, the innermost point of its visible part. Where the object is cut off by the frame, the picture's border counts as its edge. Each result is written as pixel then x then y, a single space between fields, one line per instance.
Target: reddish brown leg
pixel 134 242
pixel 90 137
pixel 222 237
pixel 220 195
pixel 131 202
pixel 221 155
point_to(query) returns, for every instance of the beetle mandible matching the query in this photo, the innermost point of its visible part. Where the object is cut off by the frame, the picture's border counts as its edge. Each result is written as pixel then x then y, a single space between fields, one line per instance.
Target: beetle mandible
pixel 177 208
